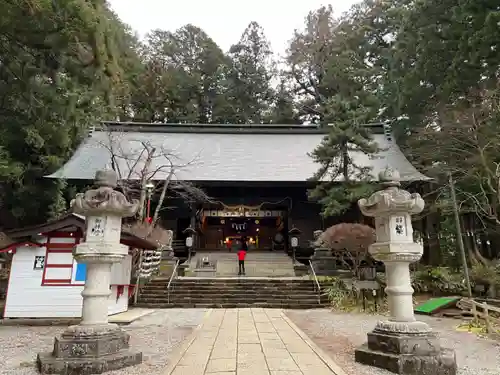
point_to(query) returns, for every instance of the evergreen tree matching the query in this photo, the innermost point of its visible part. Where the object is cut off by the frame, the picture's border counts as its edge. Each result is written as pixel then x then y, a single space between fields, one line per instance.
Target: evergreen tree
pixel 182 78
pixel 283 108
pixel 308 55
pixel 252 69
pixel 59 70
pixel 341 181
pixel 332 75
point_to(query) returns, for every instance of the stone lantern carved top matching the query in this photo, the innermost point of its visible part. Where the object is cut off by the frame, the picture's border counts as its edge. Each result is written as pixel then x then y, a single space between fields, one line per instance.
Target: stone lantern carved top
pixel 389 177
pixel 104 199
pixel 318 241
pixel 392 199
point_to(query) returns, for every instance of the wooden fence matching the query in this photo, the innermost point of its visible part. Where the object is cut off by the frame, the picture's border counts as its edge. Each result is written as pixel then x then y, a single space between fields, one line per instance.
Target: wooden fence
pixel 481 310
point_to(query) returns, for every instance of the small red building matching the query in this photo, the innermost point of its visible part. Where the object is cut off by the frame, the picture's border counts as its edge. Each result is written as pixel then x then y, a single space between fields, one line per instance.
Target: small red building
pixel 45 281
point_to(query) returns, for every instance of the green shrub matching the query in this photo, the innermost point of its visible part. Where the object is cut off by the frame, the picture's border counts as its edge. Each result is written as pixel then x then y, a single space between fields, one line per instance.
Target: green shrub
pixel 437 280
pixel 434 280
pixel 340 296
pixel 485 274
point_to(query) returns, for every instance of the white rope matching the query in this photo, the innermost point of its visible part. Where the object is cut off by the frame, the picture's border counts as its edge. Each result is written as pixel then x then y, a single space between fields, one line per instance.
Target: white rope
pixel 151 259
pixel 150 263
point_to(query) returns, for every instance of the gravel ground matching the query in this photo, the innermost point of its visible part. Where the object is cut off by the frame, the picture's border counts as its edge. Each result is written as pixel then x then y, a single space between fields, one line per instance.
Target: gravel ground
pixel 339 334
pixel 156 335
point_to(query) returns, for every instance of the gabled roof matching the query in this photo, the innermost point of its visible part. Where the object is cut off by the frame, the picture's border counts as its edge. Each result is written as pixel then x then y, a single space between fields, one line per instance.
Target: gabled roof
pixel 70 221
pixel 266 153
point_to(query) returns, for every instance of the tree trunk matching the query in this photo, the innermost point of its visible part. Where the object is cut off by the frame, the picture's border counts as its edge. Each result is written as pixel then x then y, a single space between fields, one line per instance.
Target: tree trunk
pixel 345 162
pixel 161 199
pixel 144 180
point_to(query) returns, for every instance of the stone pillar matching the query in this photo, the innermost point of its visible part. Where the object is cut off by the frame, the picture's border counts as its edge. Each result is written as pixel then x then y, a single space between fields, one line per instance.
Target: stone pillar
pixel 400 344
pixel 95 346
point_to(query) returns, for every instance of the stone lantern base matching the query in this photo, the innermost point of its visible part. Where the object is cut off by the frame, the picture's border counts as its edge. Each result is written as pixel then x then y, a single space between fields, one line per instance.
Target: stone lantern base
pixel 81 351
pixel 407 353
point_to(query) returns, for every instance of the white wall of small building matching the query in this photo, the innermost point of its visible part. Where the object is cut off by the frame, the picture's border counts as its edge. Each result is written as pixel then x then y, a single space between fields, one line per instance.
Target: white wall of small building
pixel 28 298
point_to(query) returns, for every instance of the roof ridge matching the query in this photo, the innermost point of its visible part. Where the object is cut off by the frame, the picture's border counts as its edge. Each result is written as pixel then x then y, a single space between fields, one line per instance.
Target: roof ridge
pixel 145 127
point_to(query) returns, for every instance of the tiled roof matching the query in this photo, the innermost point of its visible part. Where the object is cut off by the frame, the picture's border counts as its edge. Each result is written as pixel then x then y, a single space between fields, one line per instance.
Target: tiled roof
pixel 72 220
pixel 220 153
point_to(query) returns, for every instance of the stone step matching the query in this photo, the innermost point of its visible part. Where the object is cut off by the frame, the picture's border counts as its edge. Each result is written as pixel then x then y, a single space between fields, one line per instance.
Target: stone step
pixel 232 305
pixel 269 263
pixel 310 301
pixel 240 289
pixel 229 295
pixel 245 292
pixel 215 294
pixel 239 281
pixel 235 279
pixel 222 283
pixel 277 257
pixel 234 286
pixel 264 263
pixel 231 292
pixel 248 291
pixel 289 288
pixel 250 288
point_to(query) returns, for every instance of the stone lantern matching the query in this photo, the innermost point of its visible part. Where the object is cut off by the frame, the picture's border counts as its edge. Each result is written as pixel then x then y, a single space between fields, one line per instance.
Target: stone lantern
pixel 190 236
pixel 95 346
pixel 322 260
pixel 400 344
pixel 294 235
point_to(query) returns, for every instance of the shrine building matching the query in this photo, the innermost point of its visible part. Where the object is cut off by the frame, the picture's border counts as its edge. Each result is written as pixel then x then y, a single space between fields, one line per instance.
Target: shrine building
pixel 256 176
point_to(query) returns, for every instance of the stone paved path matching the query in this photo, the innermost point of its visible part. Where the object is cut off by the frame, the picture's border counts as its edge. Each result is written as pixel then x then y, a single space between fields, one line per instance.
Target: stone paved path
pixel 252 341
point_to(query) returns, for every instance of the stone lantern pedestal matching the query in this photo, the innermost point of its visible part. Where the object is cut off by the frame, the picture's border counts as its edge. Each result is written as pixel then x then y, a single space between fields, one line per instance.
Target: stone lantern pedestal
pixel 322 260
pixel 400 344
pixel 95 346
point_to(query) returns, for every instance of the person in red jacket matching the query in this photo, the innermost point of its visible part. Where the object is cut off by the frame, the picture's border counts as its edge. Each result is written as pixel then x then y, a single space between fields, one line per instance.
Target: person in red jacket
pixel 242 252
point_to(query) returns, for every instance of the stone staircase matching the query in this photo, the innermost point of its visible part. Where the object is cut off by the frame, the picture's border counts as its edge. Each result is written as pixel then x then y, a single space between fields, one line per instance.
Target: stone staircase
pixel 288 293
pixel 257 264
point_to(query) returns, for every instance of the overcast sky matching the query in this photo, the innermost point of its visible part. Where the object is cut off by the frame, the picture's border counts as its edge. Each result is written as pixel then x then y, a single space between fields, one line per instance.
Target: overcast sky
pixel 223 20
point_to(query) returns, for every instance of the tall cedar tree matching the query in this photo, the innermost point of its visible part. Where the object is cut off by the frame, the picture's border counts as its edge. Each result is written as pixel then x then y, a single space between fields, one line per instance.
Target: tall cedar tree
pixel 183 75
pixel 334 78
pixel 250 76
pixel 61 67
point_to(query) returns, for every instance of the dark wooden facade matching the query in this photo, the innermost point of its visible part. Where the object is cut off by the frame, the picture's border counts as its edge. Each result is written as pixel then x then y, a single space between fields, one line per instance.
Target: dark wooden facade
pixel 298 211
pixel 288 199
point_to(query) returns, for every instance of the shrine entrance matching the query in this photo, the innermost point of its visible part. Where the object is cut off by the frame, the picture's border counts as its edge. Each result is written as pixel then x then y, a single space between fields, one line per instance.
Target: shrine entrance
pixel 222 229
